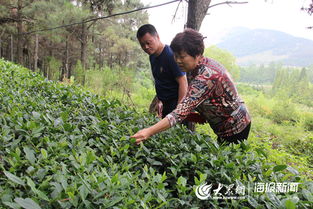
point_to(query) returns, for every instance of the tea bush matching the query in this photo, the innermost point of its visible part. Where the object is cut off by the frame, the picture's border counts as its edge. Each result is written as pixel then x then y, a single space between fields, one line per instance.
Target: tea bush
pixel 308 121
pixel 63 147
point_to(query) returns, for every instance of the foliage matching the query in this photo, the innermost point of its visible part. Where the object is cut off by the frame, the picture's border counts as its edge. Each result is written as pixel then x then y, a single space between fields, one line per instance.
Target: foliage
pixel 53 69
pixel 262 74
pixel 260 104
pixel 130 87
pixel 225 58
pixel 280 123
pixel 302 147
pixel 294 84
pixel 63 147
pixel 286 82
pixel 144 90
pixel 267 74
pixel 79 73
pixel 112 83
pixel 110 42
pixel 284 110
pixel 308 121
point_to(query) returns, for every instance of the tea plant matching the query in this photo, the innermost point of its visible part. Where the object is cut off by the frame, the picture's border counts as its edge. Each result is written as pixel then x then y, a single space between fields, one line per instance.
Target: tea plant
pixel 63 147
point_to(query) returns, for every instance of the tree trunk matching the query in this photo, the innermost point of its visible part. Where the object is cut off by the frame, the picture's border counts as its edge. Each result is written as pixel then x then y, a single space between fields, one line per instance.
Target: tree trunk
pixel 66 68
pixel 44 68
pixel 36 54
pixel 12 50
pixel 83 50
pixel 111 60
pixel 197 10
pixel 19 32
pixel 26 55
pixel 100 56
pixel 0 48
pixel 7 54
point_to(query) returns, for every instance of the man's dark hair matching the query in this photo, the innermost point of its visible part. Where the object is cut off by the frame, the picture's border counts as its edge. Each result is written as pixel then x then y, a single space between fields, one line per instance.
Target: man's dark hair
pixel 190 41
pixel 147 28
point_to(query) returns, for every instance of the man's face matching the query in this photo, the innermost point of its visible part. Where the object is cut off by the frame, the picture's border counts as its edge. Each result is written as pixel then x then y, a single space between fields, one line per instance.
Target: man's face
pixel 149 43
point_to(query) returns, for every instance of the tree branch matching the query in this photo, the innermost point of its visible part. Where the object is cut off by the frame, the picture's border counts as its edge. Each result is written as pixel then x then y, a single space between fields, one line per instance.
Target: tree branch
pixel 176 11
pixel 228 3
pixel 7 20
pixel 93 22
pixel 26 5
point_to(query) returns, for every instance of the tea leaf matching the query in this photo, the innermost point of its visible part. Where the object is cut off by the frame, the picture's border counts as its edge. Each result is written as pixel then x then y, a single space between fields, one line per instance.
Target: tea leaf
pixel 12 205
pixel 14 178
pixel 27 203
pixel 279 168
pixel 44 153
pixel 181 181
pixel 290 205
pixel 29 155
pixel 253 202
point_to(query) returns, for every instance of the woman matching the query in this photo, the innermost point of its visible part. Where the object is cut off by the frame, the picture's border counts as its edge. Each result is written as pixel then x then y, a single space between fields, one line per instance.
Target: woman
pixel 211 92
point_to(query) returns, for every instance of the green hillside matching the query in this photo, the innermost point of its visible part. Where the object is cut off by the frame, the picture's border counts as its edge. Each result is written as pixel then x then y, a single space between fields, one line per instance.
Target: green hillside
pixel 64 147
pixel 262 46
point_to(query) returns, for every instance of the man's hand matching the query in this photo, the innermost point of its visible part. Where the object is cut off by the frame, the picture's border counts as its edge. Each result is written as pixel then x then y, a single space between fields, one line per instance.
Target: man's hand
pixel 142 135
pixel 156 107
pixel 159 109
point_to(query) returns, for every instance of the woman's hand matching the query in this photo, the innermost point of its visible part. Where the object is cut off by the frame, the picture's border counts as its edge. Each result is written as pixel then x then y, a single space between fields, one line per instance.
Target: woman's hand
pixel 142 135
pixel 145 133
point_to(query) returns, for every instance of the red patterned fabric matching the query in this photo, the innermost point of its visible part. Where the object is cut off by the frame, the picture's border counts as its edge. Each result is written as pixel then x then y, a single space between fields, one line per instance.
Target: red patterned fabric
pixel 212 93
pixel 195 117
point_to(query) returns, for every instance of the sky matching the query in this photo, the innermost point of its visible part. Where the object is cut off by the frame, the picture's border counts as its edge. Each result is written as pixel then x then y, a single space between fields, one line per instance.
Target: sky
pixel 280 15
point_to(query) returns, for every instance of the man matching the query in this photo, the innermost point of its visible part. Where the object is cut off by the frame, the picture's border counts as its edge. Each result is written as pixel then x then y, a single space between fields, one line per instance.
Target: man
pixel 170 82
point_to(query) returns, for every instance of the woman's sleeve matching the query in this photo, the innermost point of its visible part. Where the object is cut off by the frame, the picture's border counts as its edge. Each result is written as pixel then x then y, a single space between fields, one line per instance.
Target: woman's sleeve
pixel 198 91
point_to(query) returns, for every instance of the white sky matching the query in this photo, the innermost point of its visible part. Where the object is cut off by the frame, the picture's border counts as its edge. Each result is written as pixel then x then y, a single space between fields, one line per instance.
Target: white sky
pixel 281 15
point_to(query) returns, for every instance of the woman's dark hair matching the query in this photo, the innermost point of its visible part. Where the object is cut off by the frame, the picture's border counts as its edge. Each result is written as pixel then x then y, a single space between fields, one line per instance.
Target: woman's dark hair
pixel 190 41
pixel 147 28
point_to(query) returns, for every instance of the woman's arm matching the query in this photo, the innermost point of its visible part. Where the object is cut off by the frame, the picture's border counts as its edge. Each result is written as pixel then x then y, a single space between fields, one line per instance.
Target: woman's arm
pixel 144 134
pixel 196 94
pixel 198 91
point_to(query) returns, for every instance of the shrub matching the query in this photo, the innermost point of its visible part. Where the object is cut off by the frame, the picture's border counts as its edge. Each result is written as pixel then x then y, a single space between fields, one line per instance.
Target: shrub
pixel 63 147
pixel 284 111
pixel 260 105
pixel 308 121
pixel 79 73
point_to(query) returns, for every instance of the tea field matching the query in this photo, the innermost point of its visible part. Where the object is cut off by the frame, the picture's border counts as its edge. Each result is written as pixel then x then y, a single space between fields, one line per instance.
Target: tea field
pixel 64 147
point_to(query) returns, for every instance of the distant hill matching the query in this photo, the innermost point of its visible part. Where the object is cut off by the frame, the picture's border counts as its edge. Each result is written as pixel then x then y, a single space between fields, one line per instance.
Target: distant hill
pixel 260 46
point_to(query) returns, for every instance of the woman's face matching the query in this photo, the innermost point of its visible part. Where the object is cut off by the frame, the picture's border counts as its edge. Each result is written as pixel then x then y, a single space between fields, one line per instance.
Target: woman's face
pixel 186 62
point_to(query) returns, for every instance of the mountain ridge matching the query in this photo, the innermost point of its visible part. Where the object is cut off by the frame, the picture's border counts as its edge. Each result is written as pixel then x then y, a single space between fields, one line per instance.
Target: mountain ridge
pixel 262 46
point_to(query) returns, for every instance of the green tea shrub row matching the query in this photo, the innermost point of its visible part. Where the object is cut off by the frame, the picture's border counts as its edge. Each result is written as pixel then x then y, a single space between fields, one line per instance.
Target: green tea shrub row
pixel 63 147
